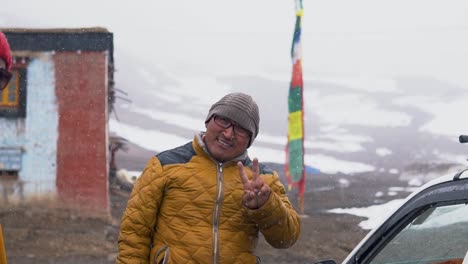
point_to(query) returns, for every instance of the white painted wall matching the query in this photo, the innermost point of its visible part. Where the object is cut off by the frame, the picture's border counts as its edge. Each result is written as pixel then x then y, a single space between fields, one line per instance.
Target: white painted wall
pixel 37 134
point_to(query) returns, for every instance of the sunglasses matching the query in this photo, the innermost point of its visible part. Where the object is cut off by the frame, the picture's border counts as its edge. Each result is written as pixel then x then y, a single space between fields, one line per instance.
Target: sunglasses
pixel 227 123
pixel 5 78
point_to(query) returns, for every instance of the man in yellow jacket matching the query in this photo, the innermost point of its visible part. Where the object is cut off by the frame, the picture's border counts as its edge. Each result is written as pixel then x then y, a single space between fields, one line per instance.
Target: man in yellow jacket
pixel 207 201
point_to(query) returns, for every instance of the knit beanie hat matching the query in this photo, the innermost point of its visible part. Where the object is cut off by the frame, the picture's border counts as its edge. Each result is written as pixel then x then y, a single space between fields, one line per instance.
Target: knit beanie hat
pixel 240 108
pixel 5 52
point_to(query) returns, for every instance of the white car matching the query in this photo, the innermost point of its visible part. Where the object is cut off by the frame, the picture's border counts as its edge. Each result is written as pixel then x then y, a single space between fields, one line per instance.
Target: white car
pixel 430 227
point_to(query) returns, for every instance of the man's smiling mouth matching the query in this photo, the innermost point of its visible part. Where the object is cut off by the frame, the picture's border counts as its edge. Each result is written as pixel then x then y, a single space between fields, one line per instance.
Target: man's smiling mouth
pixel 225 143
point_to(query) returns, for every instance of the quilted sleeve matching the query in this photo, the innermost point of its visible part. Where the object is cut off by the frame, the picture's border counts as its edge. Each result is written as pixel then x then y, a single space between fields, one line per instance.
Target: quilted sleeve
pixel 277 220
pixel 139 218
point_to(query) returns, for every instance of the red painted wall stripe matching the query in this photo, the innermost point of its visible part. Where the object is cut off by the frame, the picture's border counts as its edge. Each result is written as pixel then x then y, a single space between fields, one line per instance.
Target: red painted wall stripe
pixel 81 89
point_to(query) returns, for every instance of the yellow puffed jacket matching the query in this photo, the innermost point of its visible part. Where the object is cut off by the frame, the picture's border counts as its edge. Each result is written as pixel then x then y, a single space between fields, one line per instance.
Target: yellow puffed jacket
pixel 187 208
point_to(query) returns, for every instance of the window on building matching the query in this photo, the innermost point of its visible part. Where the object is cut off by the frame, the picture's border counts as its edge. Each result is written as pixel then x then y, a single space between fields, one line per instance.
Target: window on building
pixel 10 94
pixel 13 97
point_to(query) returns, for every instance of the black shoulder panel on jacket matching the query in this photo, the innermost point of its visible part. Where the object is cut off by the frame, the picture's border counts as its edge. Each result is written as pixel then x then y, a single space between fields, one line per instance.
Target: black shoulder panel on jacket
pixel 264 169
pixel 181 154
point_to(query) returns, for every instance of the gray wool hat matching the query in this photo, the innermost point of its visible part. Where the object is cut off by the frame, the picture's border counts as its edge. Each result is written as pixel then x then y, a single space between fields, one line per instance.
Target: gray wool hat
pixel 240 108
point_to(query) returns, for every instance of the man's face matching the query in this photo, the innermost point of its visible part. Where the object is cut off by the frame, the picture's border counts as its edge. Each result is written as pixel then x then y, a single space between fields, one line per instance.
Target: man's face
pixel 5 76
pixel 224 144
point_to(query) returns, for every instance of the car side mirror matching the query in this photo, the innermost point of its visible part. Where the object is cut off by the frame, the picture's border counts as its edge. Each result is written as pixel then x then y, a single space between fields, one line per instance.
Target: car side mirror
pixel 330 261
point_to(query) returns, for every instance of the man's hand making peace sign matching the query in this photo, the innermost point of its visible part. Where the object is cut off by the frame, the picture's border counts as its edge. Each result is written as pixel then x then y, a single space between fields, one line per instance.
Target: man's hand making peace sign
pixel 256 193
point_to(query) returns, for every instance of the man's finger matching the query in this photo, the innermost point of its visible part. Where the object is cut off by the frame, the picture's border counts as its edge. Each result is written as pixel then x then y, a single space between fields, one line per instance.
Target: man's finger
pixel 243 176
pixel 264 191
pixel 257 183
pixel 256 169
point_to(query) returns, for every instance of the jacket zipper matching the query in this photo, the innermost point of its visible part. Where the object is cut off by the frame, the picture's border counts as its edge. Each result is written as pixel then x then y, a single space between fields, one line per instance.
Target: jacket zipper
pixel 217 211
pixel 167 250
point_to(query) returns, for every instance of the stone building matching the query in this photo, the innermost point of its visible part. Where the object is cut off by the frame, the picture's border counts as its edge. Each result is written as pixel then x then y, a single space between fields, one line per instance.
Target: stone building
pixel 54 117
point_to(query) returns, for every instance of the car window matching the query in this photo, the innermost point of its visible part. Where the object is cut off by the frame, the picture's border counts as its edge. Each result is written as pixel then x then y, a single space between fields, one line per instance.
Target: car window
pixel 436 235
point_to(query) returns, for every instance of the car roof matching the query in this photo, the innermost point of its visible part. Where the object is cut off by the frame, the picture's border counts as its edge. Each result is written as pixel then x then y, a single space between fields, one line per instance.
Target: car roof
pixel 451 177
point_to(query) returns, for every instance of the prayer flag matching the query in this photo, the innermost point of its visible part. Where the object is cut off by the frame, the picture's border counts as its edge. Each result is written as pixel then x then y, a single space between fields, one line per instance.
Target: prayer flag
pixel 295 172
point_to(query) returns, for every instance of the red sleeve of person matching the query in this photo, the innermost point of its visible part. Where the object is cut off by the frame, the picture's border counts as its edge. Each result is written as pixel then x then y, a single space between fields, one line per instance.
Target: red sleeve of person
pixel 5 62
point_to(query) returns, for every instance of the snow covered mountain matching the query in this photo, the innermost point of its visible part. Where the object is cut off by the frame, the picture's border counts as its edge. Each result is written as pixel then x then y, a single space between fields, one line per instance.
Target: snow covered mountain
pixel 352 125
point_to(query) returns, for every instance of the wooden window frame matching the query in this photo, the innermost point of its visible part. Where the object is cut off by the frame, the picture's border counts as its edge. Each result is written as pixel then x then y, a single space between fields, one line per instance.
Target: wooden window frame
pixel 16 109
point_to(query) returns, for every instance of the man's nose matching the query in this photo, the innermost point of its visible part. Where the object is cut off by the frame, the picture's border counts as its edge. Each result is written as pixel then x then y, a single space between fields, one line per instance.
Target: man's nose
pixel 229 132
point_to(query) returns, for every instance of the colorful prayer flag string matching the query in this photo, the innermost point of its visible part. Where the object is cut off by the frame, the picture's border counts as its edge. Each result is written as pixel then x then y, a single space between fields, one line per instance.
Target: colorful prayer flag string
pixel 295 171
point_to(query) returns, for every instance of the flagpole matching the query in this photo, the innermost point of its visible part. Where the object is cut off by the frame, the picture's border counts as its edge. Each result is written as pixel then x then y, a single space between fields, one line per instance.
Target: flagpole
pixel 299 13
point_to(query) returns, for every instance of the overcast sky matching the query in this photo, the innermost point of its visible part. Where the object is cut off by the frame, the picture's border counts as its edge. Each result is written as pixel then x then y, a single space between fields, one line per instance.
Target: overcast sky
pixel 341 38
